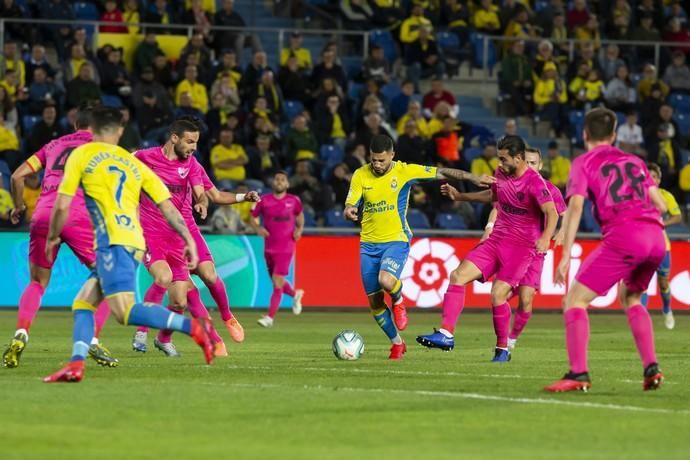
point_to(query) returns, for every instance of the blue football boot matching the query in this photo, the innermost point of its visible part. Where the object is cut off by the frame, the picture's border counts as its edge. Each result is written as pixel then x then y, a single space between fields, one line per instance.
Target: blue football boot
pixel 437 340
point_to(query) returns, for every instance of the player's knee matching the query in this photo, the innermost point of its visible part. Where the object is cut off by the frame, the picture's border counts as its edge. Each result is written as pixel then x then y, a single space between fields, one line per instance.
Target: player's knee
pixel 663 282
pixel 456 276
pixel 163 279
pixel 118 313
pixel 387 281
pixel 278 282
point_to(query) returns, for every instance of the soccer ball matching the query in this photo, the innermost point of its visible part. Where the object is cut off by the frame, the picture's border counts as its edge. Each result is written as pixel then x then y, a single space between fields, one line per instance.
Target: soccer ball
pixel 348 345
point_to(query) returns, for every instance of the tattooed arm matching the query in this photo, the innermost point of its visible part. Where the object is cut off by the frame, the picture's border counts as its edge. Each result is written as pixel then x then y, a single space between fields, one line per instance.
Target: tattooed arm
pixel 460 175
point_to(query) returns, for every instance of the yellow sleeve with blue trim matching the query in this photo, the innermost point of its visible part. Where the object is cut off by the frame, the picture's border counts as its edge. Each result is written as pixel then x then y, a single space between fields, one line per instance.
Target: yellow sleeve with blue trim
pixel 671 204
pixel 354 196
pixel 152 185
pixel 73 171
pixel 415 172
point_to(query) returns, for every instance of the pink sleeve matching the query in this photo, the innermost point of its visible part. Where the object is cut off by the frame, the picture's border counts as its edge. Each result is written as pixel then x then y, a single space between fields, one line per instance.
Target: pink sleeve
pixel 577 182
pixel 199 176
pixel 648 181
pixel 540 191
pixel 557 198
pixel 41 155
pixel 298 206
pixel 258 207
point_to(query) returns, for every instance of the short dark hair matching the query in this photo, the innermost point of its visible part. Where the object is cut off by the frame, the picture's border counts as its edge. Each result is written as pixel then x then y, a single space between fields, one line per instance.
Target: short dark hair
pixel 183 125
pixel 515 145
pixel 105 119
pixel 85 116
pixel 533 150
pixel 381 143
pixel 653 167
pixel 600 123
pixel 281 172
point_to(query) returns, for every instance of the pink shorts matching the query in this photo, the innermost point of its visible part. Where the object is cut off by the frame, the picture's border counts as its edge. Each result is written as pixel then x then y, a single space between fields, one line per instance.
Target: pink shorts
pixel 278 263
pixel 169 250
pixel 201 245
pixel 77 235
pixel 507 261
pixel 631 256
pixel 533 276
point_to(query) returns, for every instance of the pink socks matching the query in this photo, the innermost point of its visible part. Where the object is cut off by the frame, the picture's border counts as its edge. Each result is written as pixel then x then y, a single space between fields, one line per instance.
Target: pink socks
pixel 453 302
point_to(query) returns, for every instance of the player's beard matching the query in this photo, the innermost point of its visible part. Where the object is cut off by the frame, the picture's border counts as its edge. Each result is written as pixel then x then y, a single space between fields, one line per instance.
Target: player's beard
pixel 280 189
pixel 179 152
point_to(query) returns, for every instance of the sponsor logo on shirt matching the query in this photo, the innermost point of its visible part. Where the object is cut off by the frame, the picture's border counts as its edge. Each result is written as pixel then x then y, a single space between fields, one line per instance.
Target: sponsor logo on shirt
pixel 521 196
pixel 183 172
pixel 394 183
pixel 380 206
pixel 510 209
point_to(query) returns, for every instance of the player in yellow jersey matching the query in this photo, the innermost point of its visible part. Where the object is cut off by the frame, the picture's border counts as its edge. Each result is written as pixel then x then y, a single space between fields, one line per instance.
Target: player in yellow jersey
pixel 382 190
pixel 671 217
pixel 112 180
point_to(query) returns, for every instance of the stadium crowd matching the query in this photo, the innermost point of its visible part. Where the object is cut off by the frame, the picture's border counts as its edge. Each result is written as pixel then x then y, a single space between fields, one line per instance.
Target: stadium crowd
pixel 314 117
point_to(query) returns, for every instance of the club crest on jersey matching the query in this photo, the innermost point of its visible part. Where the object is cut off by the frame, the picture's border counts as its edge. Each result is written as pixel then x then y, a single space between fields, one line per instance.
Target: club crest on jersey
pixel 394 183
pixel 183 172
pixel 521 196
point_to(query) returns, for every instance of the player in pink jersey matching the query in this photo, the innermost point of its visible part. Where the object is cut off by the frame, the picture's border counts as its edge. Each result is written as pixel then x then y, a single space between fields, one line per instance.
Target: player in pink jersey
pixel 625 201
pixel 77 234
pixel 520 235
pixel 283 222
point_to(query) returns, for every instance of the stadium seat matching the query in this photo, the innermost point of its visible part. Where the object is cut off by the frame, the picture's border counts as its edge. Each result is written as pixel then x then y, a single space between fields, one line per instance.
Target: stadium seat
pixel 335 218
pixel 292 108
pixel 577 124
pixel 477 41
pixel 384 39
pixel 683 122
pixel 417 219
pixel 680 103
pixel 447 40
pixel 86 10
pixel 111 101
pixel 589 223
pixel 678 228
pixel 28 122
pixel 354 92
pixel 450 221
pixel 6 175
pixel 471 153
pixel 309 218
pixel 331 153
pixel 391 90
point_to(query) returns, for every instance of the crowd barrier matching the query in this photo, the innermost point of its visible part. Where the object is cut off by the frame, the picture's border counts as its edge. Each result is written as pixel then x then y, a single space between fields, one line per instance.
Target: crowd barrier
pixel 327 268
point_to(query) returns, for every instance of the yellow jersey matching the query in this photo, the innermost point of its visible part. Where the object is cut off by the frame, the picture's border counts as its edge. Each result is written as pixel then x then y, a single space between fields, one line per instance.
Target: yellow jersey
pixel 672 209
pixel 385 200
pixel 220 153
pixel 112 180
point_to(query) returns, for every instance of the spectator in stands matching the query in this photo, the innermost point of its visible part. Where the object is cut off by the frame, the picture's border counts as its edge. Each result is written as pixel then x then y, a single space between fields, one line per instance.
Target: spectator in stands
pixel 559 36
pixel 293 81
pixel 387 13
pixel 676 11
pixel 11 59
pixel 327 89
pixel 650 78
pixel 486 18
pixel 70 68
pixel 83 88
pixel 131 15
pixel 414 114
pixel 544 55
pixel 228 63
pixel 42 92
pixel 197 16
pixel 592 91
pixel 441 111
pixel 409 29
pixel 373 126
pixel 332 123
pixel 518 27
pixel 376 66
pixel 557 165
pixel 38 59
pixel 400 103
pixel 438 93
pixel 268 89
pixel 340 182
pixel 216 116
pixel 357 13
pixel 198 48
pixel 620 93
pixel 160 12
pixel 684 182
pixel 8 110
pixel 263 162
pixel 677 75
pixel 610 61
pixel 131 137
pixel 446 144
pixel 185 107
pixel 226 87
pixel 664 150
pixel 578 15
pixel 619 20
pixel 80 37
pixel 411 147
pixel 32 190
pixel 679 34
pixel 262 120
pixel 14 30
pixel 9 146
pixel 506 12
pixel 649 108
pixel 153 106
pixel 302 54
pixel 487 162
pixel 646 32
pixel 116 80
pixel 196 90
pixel 586 56
pixel 146 51
pixel 228 17
pixel 590 32
pixel 423 58
pixel 6 205
pixel 358 157
pixel 313 194
pixel 57 34
pixel 301 143
pixel 663 116
pixel 372 104
pixel 510 127
pixel 11 87
pixel 629 135
pixel 252 74
pixel 228 160
pixel 163 72
pixel 550 96
pixel 112 14
pixel 329 68
pixel 457 17
pixel 648 8
pixel 516 78
pixel 45 130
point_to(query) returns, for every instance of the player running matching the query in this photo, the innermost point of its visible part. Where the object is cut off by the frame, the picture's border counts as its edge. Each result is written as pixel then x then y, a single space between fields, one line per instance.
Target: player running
pixel 662 273
pixel 112 181
pixel 77 234
pixel 526 222
pixel 382 188
pixel 623 196
pixel 283 222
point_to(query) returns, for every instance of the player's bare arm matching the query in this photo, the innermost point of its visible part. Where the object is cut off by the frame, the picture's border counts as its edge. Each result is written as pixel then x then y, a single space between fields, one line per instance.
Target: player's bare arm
pixel 201 199
pixel 571 222
pixel 549 210
pixel 258 229
pixel 657 200
pixel 58 218
pixel 484 196
pixel 218 197
pixel 17 191
pixel 560 234
pixel 489 228
pixel 299 227
pixel 459 174
pixel 174 218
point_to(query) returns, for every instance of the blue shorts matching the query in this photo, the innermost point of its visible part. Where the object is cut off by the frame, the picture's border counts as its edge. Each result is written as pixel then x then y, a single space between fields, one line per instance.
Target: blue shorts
pixel 665 267
pixel 116 269
pixel 376 257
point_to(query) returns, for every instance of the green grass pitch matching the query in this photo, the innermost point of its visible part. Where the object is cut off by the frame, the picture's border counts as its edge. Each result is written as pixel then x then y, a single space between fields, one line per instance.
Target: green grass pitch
pixel 283 395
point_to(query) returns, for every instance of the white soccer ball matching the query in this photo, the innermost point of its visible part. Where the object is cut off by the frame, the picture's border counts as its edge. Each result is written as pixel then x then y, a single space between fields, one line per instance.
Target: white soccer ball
pixel 348 345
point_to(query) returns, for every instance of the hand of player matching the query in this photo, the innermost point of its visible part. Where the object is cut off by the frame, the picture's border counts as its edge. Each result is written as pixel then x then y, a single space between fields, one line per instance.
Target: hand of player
pixel 262 232
pixel 201 209
pixel 485 235
pixel 51 245
pixel 16 215
pixel 562 270
pixel 350 213
pixel 297 234
pixel 192 257
pixel 450 191
pixel 542 245
pixel 484 181
pixel 252 197
pixel 558 239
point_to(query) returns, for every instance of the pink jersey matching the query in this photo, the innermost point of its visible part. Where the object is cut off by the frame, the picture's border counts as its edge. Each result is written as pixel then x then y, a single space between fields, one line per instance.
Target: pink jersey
pixel 175 174
pixel 279 215
pixel 52 158
pixel 618 185
pixel 197 176
pixel 520 219
pixel 557 196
